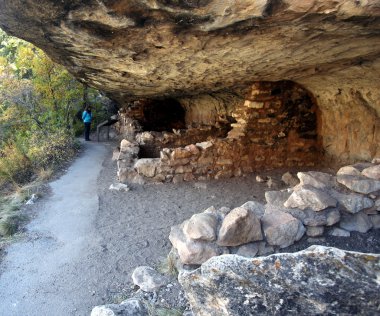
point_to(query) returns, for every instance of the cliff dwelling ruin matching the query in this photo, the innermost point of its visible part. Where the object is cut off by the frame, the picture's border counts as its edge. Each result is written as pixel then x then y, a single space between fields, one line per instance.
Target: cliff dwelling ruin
pixel 262 85
pixel 270 125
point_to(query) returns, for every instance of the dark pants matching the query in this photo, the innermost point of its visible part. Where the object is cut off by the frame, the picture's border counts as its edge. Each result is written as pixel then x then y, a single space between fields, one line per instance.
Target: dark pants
pixel 87 127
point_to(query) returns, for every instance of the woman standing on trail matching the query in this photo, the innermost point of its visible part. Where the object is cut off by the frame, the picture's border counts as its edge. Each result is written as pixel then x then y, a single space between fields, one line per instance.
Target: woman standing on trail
pixel 87 117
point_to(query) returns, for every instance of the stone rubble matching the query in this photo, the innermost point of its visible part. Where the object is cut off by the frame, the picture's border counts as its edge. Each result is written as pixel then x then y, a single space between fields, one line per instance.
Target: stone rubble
pixel 321 204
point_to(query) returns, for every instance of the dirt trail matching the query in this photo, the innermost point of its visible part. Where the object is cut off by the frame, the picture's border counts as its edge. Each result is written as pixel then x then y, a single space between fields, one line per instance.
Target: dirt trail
pixel 86 240
pixel 43 274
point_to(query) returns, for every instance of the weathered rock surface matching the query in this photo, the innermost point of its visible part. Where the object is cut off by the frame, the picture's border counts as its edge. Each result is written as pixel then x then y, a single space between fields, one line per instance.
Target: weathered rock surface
pixel 277 198
pixel 352 202
pixel 306 196
pixel 148 49
pixel 240 226
pixel 375 219
pixel 359 222
pixel 372 172
pixel 318 280
pixel 255 207
pixel 201 226
pixel 315 231
pixel 130 307
pixel 359 184
pixel 319 180
pixel 280 228
pixel 148 279
pixel 349 170
pixel 147 166
pixel 338 232
pixel 248 250
pixel 289 179
pixel 192 251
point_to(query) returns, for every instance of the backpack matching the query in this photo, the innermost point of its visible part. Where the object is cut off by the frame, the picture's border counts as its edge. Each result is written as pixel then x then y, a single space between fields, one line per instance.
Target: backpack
pixel 78 115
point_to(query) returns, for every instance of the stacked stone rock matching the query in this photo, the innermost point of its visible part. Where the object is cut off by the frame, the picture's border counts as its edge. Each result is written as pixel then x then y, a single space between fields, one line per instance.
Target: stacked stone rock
pixel 319 204
pixel 275 127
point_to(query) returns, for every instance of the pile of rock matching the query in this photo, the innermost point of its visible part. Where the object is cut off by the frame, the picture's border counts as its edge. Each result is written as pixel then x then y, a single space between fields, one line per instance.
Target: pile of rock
pixel 320 204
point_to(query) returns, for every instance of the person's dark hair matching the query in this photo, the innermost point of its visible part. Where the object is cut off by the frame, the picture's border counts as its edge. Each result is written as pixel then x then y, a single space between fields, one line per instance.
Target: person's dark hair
pixel 88 108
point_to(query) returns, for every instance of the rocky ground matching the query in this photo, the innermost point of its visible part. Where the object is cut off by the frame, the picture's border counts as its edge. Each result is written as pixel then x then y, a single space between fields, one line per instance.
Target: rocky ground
pixel 131 229
pixel 150 210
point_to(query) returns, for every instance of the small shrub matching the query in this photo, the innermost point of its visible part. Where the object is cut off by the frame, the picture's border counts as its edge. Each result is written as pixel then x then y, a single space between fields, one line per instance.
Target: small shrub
pixel 51 150
pixel 45 174
pixel 10 224
pixel 15 166
pixel 168 265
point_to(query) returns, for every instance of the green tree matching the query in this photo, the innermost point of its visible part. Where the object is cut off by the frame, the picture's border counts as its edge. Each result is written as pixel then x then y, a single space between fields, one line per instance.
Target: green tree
pixel 38 103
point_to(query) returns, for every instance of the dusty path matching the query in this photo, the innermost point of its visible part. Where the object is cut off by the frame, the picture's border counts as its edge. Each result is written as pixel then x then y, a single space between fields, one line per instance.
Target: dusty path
pixel 43 275
pixel 86 240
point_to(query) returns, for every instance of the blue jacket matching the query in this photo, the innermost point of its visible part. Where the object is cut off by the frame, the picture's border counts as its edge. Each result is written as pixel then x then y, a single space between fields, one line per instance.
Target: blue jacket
pixel 86 117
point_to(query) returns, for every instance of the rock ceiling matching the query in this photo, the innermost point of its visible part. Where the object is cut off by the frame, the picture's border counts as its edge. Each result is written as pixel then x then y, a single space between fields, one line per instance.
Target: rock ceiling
pixel 155 48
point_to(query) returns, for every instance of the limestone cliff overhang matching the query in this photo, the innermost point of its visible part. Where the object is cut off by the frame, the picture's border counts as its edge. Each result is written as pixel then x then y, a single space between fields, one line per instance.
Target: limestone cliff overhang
pixel 161 48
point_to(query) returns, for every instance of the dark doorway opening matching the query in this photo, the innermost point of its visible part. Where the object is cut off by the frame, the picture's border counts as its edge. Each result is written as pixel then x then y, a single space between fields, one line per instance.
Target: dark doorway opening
pixel 163 115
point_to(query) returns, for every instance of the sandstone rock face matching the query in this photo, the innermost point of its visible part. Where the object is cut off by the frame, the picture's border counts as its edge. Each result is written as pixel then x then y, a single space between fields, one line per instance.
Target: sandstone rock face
pixel 318 280
pixel 153 49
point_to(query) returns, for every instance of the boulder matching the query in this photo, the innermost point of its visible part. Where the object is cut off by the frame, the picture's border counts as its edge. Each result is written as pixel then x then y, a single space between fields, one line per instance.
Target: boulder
pixel 316 281
pixel 372 172
pixel 375 219
pixel 265 249
pixel 315 231
pixel 359 184
pixel 148 279
pixel 248 250
pixel 349 170
pixel 319 180
pixel 130 307
pixel 332 217
pixel 201 227
pixel 360 222
pixel 352 202
pixel 377 204
pixel 301 231
pixel 289 179
pixel 280 229
pixel 306 196
pixel 338 232
pixel 309 217
pixel 255 207
pixel 192 251
pixel 277 198
pixel 240 226
pixel 362 165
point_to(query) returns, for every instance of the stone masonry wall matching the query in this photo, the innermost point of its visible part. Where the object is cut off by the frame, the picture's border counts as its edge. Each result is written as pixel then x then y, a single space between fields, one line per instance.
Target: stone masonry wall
pixel 275 126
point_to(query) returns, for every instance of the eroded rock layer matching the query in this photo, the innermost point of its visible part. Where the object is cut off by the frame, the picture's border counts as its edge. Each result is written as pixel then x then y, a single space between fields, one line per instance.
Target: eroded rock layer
pixel 153 49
